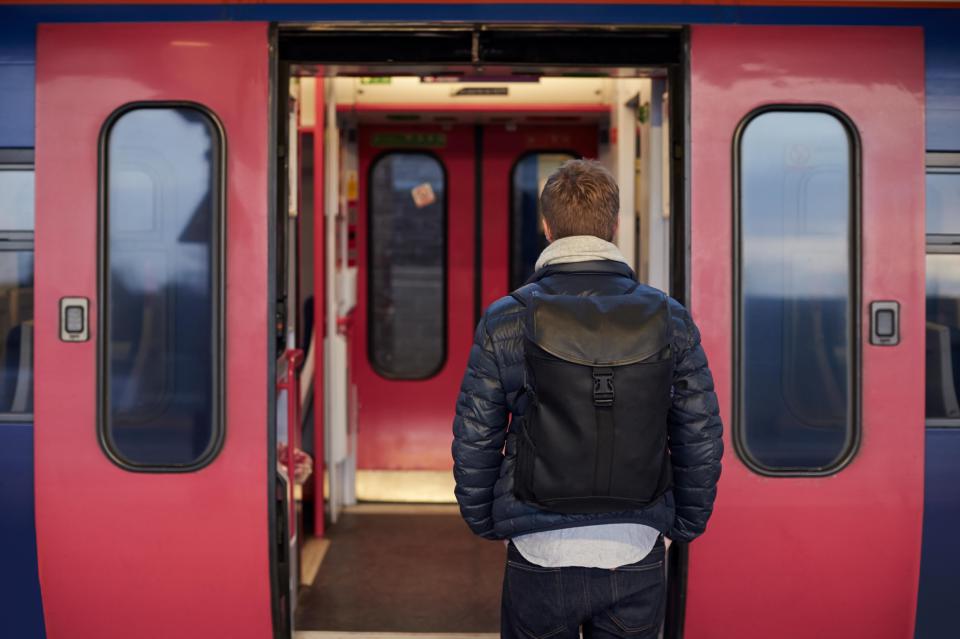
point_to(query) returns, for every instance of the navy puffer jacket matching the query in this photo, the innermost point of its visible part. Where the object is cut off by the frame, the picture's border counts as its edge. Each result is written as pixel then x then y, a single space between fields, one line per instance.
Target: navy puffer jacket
pixel 483 466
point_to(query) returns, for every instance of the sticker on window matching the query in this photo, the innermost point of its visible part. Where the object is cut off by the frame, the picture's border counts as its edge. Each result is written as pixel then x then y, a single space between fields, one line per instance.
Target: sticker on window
pixel 423 195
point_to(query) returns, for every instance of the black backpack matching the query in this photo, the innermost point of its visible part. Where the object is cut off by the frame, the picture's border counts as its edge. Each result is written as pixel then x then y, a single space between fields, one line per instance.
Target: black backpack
pixel 599 369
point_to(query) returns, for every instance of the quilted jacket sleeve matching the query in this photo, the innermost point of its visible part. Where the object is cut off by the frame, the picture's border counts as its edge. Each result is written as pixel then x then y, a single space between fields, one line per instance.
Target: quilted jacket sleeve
pixel 695 432
pixel 479 431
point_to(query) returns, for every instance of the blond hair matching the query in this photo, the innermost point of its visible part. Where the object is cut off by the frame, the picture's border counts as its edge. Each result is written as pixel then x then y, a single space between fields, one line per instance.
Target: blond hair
pixel 581 198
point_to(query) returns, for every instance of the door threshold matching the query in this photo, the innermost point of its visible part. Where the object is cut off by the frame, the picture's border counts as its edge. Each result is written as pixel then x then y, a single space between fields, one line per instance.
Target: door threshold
pixel 402 509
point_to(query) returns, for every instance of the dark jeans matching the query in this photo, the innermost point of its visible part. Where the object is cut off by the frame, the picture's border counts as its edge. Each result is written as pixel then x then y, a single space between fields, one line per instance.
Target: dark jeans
pixel 554 603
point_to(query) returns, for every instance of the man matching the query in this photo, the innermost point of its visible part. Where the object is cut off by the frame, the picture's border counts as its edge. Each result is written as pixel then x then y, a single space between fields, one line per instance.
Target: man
pixel 597 569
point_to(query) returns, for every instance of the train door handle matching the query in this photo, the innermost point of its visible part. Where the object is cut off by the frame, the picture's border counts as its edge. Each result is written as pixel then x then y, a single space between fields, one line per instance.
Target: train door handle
pixel 74 319
pixel 885 323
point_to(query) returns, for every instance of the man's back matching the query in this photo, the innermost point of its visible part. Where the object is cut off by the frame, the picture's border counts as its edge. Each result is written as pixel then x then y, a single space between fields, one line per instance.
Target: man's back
pixel 558 578
pixel 492 392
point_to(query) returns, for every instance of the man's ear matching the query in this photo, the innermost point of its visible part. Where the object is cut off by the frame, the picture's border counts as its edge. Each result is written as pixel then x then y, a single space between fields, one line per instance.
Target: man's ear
pixel 546 230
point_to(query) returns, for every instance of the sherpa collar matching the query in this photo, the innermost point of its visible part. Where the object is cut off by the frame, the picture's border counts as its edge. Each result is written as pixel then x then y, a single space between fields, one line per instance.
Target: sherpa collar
pixel 579 248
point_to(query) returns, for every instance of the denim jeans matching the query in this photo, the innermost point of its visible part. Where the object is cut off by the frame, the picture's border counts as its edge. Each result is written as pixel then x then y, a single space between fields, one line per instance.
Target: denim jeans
pixel 555 603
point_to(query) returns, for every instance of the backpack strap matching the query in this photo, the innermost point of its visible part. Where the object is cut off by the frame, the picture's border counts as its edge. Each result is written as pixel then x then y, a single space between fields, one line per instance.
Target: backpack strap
pixel 523 293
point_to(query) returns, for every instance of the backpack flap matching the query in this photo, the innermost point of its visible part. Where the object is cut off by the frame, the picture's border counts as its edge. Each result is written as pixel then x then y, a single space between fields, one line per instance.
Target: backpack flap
pixel 600 330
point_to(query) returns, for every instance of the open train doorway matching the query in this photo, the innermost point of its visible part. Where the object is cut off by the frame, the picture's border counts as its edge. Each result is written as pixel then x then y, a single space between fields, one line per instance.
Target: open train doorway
pixel 411 165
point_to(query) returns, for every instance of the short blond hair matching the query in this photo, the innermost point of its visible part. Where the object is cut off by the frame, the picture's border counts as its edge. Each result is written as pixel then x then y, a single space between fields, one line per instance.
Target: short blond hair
pixel 581 198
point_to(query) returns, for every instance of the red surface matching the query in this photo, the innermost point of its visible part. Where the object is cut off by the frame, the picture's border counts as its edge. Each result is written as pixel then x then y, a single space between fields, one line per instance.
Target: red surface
pixel 407 424
pixel 816 557
pixel 319 308
pixel 126 554
pixel 502 148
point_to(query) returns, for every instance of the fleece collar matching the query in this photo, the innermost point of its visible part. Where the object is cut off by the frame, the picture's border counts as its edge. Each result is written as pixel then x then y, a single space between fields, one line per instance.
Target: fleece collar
pixel 579 248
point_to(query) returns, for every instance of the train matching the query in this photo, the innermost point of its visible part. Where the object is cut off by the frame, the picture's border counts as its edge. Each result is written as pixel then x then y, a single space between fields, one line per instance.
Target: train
pixel 244 247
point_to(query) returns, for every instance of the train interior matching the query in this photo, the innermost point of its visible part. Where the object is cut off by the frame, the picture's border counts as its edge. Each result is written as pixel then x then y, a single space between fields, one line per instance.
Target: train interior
pixel 407 203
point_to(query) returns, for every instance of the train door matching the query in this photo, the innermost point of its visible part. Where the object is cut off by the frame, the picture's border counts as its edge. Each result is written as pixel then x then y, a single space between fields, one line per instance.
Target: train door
pixel 153 239
pixel 423 191
pixel 806 263
pixel 415 248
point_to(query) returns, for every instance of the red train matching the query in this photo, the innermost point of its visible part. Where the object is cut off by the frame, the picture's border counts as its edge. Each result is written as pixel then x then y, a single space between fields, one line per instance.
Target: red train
pixel 261 246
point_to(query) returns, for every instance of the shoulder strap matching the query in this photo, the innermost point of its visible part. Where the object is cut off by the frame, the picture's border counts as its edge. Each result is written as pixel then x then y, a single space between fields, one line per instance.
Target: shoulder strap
pixel 523 293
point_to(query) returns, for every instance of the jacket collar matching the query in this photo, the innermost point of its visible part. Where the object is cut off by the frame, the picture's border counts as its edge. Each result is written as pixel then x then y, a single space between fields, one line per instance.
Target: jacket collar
pixel 599 267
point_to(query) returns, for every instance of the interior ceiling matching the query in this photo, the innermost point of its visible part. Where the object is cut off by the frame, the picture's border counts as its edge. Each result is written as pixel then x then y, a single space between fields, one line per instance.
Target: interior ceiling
pixel 497 100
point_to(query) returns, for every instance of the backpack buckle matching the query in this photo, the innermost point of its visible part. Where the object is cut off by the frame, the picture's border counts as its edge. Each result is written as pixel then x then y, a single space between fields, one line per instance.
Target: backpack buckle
pixel 603 386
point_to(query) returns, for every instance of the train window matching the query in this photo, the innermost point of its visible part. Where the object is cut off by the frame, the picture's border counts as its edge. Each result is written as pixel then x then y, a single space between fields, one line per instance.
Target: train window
pixel 161 279
pixel 943 200
pixel 796 312
pixel 527 240
pixel 16 284
pixel 407 219
pixel 943 290
pixel 16 327
pixel 16 198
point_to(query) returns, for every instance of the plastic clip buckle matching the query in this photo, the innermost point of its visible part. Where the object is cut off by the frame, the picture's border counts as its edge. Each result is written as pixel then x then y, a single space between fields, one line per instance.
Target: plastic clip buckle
pixel 603 387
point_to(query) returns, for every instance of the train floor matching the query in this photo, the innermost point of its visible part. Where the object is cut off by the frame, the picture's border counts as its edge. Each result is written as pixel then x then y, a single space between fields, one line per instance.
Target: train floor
pixel 403 569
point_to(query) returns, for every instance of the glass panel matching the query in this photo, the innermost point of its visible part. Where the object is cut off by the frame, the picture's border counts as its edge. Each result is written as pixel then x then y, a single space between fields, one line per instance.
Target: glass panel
pixel 943 336
pixel 530 173
pixel 16 199
pixel 943 201
pixel 16 327
pixel 795 325
pixel 162 332
pixel 407 265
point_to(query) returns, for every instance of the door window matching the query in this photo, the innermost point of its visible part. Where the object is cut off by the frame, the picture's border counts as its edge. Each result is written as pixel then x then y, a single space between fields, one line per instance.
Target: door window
pixel 796 224
pixel 527 240
pixel 408 246
pixel 161 261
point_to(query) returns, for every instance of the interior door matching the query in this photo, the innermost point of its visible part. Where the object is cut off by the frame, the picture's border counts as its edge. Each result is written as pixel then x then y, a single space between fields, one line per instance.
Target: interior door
pixel 516 163
pixel 152 483
pixel 807 208
pixel 415 317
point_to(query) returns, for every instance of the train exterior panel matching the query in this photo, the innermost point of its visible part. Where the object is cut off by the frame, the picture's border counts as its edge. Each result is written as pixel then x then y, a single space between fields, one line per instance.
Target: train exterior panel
pixel 828 505
pixel 102 500
pixel 87 540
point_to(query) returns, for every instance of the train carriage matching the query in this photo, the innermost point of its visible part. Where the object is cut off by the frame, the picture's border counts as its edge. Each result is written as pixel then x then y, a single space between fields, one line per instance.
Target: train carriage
pixel 245 246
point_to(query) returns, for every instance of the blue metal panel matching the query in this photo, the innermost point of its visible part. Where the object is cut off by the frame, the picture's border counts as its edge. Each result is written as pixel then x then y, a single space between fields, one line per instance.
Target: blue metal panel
pixel 940 563
pixel 17 57
pixel 21 612
pixel 943 85
pixel 585 13
pixel 16 105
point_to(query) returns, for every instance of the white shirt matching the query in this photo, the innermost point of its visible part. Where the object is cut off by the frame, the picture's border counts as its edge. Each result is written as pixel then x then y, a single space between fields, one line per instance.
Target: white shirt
pixel 599 546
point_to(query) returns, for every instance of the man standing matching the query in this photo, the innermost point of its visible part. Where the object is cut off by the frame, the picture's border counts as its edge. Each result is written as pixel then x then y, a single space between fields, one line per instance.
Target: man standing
pixel 601 391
